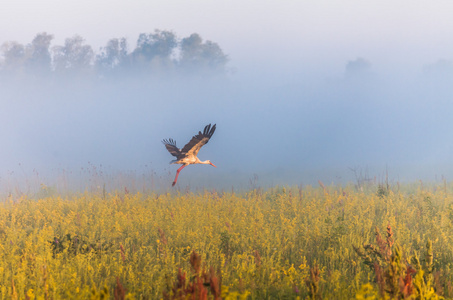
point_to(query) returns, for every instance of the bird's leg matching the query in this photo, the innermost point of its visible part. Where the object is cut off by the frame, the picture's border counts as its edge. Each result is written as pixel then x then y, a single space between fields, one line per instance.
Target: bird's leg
pixel 177 174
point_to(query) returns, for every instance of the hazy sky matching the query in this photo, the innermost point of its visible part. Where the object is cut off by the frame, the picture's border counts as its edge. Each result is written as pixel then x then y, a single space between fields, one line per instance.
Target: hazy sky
pixel 278 34
pixel 293 109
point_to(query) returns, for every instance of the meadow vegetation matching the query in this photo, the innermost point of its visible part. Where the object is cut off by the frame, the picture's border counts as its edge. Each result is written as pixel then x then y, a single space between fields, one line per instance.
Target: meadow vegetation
pixel 323 242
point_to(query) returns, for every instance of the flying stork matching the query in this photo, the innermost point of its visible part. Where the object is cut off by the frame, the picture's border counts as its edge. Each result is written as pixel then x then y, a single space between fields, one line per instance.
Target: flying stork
pixel 188 155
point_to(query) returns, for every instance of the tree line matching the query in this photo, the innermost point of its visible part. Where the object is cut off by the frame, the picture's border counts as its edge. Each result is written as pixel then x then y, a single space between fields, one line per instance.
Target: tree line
pixel 155 54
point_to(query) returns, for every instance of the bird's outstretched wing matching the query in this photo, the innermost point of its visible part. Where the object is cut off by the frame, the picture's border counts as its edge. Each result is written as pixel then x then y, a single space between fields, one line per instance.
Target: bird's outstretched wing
pixel 198 141
pixel 170 144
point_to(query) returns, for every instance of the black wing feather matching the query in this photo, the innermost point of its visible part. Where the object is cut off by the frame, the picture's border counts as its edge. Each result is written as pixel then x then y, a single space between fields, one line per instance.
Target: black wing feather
pixel 170 144
pixel 198 140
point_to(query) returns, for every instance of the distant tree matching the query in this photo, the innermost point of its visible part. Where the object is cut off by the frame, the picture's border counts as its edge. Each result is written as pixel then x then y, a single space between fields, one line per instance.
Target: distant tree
pixel 13 58
pixel 75 57
pixel 197 55
pixel 154 51
pixel 113 57
pixel 358 67
pixel 438 78
pixel 439 69
pixel 38 54
pixel 25 61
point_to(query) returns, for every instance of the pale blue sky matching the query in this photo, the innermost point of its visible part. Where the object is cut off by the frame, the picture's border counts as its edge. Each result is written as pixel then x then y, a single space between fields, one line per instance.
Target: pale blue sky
pixel 317 33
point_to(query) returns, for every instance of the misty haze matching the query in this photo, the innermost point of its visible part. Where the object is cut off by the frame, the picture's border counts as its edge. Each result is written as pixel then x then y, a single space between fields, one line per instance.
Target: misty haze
pixel 71 113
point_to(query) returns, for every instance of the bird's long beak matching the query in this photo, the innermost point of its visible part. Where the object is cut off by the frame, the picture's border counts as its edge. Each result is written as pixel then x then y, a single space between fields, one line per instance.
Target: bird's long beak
pixel 213 165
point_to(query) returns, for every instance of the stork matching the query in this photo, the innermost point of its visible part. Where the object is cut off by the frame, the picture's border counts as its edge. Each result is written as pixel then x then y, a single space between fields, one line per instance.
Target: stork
pixel 188 155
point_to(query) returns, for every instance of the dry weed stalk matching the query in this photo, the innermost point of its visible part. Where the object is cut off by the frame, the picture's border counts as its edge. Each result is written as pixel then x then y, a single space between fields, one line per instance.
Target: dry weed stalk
pixel 123 253
pixel 312 282
pixel 119 293
pixel 396 279
pixel 197 287
pixel 162 243
pixel 257 258
pixel 321 184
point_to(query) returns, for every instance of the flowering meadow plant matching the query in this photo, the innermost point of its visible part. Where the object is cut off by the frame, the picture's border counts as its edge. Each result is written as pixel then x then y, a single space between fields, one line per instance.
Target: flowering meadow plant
pixel 326 242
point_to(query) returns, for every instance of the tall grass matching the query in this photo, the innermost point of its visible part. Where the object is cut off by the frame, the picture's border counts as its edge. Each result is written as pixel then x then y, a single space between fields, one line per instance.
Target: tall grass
pixel 261 244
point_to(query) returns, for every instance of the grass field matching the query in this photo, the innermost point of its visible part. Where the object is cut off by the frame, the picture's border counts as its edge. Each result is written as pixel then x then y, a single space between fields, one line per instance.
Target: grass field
pixel 329 242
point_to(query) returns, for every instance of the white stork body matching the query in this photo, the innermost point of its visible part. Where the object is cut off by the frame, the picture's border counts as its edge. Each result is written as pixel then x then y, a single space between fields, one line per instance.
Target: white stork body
pixel 188 154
